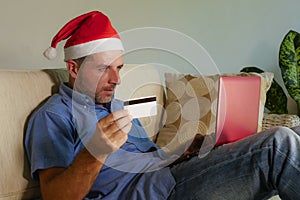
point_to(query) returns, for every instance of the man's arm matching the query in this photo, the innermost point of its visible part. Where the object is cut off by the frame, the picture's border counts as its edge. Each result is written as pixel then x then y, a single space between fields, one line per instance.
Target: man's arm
pixel 76 181
pixel 73 182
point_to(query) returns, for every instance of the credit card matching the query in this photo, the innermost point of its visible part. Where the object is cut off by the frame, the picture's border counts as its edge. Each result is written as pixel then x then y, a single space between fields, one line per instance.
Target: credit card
pixel 141 107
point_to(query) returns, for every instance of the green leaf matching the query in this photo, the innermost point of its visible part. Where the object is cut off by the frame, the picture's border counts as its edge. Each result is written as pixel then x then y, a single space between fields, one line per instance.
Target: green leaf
pixel 289 63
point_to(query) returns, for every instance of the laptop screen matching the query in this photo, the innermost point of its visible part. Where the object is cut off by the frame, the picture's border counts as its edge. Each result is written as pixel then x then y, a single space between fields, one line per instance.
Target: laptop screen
pixel 238 108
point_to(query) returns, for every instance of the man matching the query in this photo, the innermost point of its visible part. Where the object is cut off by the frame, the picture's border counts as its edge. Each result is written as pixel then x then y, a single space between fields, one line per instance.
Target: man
pixel 83 145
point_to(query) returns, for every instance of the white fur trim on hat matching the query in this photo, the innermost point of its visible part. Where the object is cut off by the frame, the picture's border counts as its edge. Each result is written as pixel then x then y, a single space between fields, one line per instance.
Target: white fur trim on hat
pixel 96 46
pixel 50 53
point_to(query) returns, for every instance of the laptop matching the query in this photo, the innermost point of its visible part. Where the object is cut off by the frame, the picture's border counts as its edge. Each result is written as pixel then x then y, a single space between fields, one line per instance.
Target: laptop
pixel 237 112
pixel 238 108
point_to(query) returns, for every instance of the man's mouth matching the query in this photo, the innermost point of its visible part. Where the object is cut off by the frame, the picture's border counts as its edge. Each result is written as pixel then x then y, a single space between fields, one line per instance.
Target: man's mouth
pixel 109 89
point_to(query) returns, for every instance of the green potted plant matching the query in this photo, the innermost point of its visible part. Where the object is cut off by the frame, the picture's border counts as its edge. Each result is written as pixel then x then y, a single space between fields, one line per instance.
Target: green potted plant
pixel 289 63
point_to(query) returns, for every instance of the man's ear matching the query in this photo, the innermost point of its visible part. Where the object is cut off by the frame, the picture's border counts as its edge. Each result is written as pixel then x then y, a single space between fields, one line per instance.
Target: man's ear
pixel 73 68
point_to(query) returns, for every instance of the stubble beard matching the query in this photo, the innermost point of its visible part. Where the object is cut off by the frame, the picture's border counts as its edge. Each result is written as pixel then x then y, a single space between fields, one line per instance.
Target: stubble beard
pixel 101 98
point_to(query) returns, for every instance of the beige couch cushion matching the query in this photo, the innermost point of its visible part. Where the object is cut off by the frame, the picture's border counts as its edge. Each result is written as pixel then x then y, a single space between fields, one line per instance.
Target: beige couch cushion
pixel 20 93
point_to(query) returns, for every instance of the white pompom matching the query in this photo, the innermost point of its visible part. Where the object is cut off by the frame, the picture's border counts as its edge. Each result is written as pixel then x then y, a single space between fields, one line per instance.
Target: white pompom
pixel 50 53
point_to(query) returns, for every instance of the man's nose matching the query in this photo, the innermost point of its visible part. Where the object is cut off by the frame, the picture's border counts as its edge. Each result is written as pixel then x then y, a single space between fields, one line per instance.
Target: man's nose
pixel 114 76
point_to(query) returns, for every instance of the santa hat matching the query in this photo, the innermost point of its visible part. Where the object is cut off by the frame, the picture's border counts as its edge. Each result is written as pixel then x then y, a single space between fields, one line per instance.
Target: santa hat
pixel 87 34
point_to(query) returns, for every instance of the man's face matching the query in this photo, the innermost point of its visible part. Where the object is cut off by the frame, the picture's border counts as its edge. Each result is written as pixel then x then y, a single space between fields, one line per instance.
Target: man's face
pixel 99 75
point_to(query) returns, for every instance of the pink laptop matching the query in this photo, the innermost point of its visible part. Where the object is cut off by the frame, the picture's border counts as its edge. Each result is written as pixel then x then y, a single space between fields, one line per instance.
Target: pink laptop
pixel 238 108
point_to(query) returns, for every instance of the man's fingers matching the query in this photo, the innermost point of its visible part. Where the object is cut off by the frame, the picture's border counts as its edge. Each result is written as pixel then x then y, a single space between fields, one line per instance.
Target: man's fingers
pixel 114 122
pixel 111 132
pixel 126 128
pixel 119 124
pixel 122 122
pixel 115 116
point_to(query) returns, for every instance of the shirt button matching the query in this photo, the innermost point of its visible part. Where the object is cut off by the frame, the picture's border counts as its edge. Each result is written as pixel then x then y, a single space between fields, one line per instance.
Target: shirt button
pixel 84 106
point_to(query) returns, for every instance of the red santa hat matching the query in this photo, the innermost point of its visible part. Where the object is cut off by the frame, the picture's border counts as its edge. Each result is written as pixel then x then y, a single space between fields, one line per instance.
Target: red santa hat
pixel 87 34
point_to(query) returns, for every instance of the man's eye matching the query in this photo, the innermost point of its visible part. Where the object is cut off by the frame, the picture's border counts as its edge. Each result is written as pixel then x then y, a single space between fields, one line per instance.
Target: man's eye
pixel 102 69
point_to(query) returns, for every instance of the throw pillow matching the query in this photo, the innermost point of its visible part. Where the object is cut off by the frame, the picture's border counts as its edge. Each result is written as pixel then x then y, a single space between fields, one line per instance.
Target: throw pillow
pixel 190 109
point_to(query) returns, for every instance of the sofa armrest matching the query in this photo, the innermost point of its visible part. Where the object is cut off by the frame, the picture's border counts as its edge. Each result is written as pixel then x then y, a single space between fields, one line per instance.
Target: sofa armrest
pixel 288 120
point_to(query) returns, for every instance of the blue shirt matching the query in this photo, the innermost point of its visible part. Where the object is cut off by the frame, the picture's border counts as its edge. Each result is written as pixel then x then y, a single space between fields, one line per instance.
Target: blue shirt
pixel 57 132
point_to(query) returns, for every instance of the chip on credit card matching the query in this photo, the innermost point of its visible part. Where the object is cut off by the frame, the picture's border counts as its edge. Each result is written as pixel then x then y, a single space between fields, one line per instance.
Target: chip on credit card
pixel 141 107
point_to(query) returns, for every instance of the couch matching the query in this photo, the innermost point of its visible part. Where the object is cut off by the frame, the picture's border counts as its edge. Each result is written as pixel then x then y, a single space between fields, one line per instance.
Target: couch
pixel 23 91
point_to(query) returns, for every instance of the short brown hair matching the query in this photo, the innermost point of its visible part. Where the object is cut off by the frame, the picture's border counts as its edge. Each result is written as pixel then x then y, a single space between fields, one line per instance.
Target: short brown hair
pixel 79 61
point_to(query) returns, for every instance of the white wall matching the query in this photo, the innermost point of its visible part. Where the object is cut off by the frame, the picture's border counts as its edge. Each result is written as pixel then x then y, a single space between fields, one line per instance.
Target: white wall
pixel 236 33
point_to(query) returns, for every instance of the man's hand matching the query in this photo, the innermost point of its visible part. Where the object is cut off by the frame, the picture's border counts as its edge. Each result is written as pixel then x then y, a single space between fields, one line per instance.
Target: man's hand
pixel 192 150
pixel 111 133
pixel 195 145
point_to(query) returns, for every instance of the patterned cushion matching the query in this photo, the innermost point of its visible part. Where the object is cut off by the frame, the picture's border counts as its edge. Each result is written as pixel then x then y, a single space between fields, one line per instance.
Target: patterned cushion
pixel 190 109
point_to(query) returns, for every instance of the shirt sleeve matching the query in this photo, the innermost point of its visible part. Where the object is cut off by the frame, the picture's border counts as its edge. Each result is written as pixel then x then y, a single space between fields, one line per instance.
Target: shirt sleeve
pixel 49 142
